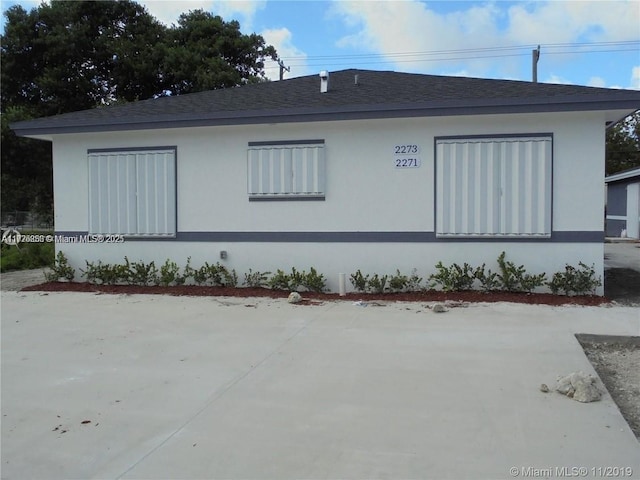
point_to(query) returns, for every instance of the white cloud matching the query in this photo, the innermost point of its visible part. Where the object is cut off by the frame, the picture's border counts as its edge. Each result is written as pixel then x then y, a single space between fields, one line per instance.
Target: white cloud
pixel 389 27
pixel 596 82
pixel 553 78
pixel 635 78
pixel 570 21
pixel 281 39
pixel 168 11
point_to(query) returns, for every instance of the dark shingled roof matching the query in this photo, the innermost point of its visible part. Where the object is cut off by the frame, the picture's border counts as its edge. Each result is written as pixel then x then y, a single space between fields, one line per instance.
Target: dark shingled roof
pixel 377 95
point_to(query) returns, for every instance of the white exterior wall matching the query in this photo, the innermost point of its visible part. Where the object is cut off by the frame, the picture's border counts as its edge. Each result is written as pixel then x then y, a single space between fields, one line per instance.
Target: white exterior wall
pixel 364 192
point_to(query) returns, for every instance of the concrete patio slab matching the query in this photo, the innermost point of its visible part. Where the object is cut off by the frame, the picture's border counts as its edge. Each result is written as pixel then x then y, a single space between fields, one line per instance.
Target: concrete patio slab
pixel 183 387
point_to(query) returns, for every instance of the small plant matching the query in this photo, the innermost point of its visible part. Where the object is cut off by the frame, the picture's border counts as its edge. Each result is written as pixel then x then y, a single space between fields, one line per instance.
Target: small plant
pixel 359 281
pixel 488 279
pixel 170 274
pixel 377 284
pixel 296 279
pixel 398 282
pixel 279 281
pixel 414 282
pixel 140 273
pixel 188 271
pixel 515 279
pixel 580 281
pixel 453 278
pixel 313 281
pixel 256 279
pixel 226 277
pixel 105 273
pixel 60 269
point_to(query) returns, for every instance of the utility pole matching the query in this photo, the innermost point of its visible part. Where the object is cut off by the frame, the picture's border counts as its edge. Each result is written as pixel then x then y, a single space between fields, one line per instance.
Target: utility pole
pixel 535 56
pixel 282 69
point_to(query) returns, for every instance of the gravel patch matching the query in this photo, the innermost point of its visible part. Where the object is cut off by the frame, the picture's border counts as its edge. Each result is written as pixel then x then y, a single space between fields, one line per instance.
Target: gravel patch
pixel 617 361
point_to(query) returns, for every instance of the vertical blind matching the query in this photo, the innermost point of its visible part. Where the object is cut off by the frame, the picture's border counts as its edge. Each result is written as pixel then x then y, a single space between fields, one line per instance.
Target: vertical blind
pixel 291 170
pixel 132 192
pixel 493 186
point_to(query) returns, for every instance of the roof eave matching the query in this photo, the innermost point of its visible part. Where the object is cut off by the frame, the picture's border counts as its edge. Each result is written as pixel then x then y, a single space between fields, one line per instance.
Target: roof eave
pixel 357 112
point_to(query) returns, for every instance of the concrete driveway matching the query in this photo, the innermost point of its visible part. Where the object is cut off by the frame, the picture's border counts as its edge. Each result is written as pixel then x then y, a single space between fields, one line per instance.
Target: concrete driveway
pixel 101 386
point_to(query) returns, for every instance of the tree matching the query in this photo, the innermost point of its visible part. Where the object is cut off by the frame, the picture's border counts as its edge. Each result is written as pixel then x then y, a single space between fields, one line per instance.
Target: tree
pixel 74 55
pixel 623 145
pixel 203 52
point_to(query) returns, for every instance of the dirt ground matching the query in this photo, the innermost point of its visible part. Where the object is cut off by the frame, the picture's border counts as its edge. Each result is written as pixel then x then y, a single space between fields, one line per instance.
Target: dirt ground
pixel 617 361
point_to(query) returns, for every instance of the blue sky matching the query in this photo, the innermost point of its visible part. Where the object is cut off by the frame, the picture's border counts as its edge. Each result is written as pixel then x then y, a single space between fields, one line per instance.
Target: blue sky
pixel 584 42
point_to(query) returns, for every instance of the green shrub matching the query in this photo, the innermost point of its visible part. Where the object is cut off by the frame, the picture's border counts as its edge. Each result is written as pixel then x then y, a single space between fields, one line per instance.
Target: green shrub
pixel 488 279
pixel 170 274
pixel 377 284
pixel 515 279
pixel 279 281
pixel 398 282
pixel 453 278
pixel 359 281
pixel 256 279
pixel 140 273
pixel 314 281
pixel 105 274
pixel 580 281
pixel 414 282
pixel 60 270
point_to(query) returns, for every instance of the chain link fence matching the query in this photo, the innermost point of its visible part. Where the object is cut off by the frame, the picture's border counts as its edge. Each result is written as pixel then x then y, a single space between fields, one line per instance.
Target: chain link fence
pixel 22 220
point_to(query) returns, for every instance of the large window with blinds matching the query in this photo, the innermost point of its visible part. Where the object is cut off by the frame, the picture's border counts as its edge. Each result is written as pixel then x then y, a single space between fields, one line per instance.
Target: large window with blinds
pixel 493 187
pixel 133 192
pixel 286 170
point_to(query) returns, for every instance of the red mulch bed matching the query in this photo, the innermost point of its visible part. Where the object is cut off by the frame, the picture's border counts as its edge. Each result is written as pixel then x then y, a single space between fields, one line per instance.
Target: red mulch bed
pixel 429 296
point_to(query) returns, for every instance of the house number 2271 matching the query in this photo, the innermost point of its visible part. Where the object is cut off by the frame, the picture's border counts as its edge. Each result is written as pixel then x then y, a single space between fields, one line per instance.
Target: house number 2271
pixel 406 156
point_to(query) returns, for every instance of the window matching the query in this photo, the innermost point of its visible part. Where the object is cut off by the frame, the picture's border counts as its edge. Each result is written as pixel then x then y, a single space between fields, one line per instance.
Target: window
pixel 132 192
pixel 493 186
pixel 286 170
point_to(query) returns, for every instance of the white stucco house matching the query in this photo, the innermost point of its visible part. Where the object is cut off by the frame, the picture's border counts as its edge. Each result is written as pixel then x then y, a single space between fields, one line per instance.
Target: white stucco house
pixel 355 169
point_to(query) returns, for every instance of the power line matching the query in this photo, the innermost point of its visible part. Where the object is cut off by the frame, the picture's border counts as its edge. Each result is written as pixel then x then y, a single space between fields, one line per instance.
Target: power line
pixel 466 54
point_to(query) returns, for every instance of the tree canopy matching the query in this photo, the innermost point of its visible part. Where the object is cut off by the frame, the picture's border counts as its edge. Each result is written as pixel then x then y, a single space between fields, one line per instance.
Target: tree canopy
pixel 623 145
pixel 73 55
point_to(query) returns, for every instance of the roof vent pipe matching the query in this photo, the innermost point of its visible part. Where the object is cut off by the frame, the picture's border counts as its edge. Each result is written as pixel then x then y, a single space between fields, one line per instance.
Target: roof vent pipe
pixel 324 81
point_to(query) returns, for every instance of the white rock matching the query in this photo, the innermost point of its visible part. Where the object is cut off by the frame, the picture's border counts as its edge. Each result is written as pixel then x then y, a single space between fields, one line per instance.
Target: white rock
pixel 439 308
pixel 294 297
pixel 579 386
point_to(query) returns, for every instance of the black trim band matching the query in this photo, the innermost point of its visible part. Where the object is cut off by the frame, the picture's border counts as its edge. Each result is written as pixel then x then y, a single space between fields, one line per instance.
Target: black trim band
pixel 357 237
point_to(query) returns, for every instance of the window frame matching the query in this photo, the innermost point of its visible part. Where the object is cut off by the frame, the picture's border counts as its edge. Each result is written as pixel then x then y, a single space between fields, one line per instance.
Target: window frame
pixel 501 200
pixel 256 180
pixel 171 192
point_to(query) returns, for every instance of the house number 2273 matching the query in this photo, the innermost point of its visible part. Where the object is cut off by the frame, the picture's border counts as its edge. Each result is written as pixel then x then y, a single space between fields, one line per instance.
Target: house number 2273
pixel 406 156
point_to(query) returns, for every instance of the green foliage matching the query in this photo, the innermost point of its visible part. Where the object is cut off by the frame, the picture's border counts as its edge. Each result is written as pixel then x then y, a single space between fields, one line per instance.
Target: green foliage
pixel 488 279
pixel 105 273
pixel 453 278
pixel 310 281
pixel 515 279
pixel 256 279
pixel 398 282
pixel 377 284
pixel 170 274
pixel 140 273
pixel 414 282
pixel 26 256
pixel 359 281
pixel 580 281
pixel 623 145
pixel 279 281
pixel 313 281
pixel 216 275
pixel 60 269
pixel 66 56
